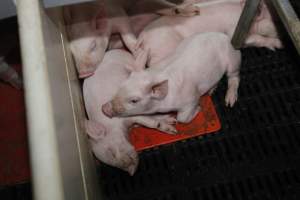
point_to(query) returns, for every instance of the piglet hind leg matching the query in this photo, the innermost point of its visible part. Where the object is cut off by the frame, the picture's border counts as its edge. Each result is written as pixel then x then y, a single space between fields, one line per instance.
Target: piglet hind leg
pixel 129 160
pixel 123 26
pixel 233 75
pixel 232 91
pixel 131 168
pixel 152 122
pixel 261 41
pixel 188 113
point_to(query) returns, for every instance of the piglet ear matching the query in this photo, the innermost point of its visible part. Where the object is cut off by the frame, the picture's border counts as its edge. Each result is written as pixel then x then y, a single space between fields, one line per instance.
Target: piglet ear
pixel 95 130
pixel 139 64
pixel 160 90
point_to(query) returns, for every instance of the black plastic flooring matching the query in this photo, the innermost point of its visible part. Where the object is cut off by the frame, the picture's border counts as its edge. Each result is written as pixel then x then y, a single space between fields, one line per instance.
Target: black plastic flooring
pixel 256 154
pixel 16 192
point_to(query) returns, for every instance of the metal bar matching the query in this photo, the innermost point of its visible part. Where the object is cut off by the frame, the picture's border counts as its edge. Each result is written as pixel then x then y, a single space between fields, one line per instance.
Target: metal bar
pixel 44 156
pixel 62 165
pixel 290 20
pixel 244 24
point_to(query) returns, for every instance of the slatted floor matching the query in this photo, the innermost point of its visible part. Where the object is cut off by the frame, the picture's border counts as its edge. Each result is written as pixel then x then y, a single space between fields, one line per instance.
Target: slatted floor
pixel 256 154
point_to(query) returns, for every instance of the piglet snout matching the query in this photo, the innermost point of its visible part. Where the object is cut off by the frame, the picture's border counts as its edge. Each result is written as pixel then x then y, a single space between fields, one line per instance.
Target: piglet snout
pixel 86 70
pixel 107 109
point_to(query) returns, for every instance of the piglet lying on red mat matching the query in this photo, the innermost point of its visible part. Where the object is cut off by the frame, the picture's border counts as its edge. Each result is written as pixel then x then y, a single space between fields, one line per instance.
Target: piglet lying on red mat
pixel 177 82
pixel 109 137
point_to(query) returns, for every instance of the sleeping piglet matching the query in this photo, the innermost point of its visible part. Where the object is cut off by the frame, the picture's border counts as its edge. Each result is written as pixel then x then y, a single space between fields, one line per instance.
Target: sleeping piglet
pixel 178 81
pixel 90 25
pixel 109 137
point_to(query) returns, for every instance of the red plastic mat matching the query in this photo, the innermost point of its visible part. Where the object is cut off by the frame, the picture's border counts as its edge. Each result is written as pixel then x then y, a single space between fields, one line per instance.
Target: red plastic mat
pixel 206 121
pixel 14 164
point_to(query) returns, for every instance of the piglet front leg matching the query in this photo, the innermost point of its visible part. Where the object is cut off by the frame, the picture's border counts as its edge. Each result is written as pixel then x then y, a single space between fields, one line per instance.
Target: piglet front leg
pixel 169 119
pixel 260 41
pixel 121 24
pixel 233 75
pixel 164 125
pixel 232 91
pixel 188 113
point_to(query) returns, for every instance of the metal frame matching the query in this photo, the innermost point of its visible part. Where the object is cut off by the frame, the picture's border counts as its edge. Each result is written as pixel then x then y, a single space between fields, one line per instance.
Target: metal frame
pixel 244 24
pixel 61 162
pixel 285 11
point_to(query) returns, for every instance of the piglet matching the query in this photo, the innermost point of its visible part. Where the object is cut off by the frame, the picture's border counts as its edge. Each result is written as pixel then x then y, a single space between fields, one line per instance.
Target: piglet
pixel 90 25
pixel 218 16
pixel 177 82
pixel 142 12
pixel 109 137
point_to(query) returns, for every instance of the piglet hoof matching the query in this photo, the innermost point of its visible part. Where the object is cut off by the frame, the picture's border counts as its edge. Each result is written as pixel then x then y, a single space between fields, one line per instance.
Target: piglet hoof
pixel 141 57
pixel 272 48
pixel 131 170
pixel 134 160
pixel 171 120
pixel 167 128
pixel 273 44
pixel 211 91
pixel 140 43
pixel 230 99
pixel 278 44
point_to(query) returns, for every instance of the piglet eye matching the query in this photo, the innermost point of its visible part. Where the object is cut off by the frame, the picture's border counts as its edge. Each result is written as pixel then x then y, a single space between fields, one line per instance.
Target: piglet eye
pixel 134 101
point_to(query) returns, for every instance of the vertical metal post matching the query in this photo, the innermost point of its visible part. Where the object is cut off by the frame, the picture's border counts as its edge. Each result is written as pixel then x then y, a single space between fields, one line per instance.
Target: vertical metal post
pixel 290 20
pixel 62 165
pixel 244 23
pixel 44 157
